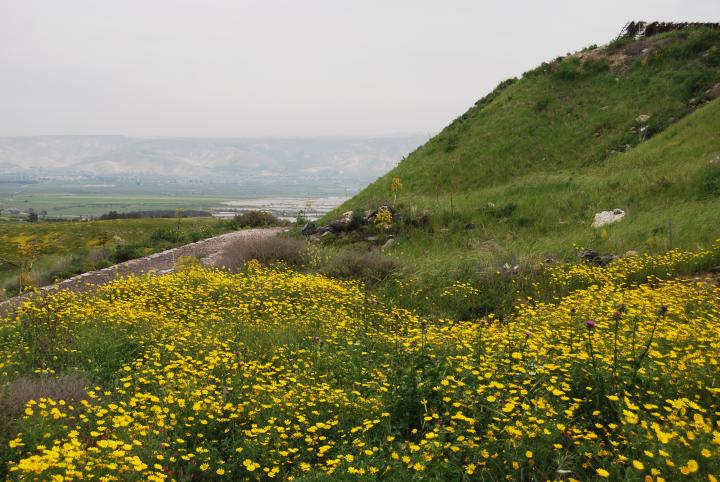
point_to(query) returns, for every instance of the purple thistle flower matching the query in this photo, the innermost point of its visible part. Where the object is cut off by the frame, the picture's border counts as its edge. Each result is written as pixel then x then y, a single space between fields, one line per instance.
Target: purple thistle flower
pixel 590 324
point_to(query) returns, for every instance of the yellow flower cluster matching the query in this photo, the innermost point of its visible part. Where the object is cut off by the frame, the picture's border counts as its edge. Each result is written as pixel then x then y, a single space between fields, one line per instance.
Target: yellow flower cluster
pixel 383 218
pixel 460 289
pixel 632 269
pixel 276 375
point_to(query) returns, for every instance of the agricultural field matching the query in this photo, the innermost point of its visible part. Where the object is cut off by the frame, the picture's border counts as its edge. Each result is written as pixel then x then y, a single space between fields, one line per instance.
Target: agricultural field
pixel 271 374
pixel 36 254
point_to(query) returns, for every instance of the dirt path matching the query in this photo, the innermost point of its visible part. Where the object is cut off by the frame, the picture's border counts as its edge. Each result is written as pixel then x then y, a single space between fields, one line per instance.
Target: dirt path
pixel 208 250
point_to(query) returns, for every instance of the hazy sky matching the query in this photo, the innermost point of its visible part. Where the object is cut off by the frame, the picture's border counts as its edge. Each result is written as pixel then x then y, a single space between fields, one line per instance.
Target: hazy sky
pixel 285 68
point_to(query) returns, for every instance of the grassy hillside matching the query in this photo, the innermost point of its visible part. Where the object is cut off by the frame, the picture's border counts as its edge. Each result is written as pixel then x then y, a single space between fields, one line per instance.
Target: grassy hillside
pixel 572 113
pixel 517 180
pixel 669 186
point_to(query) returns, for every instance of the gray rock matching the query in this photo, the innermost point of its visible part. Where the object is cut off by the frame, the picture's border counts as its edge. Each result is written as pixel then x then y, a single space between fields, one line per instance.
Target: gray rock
pixel 588 254
pixel 388 244
pixel 309 229
pixel 593 257
pixel 713 92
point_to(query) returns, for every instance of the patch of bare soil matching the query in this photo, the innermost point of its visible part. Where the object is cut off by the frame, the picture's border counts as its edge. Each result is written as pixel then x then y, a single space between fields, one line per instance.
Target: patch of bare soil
pixel 622 59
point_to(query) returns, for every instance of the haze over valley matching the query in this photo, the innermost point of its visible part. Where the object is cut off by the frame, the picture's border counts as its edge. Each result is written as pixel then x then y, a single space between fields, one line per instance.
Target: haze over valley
pixel 45 172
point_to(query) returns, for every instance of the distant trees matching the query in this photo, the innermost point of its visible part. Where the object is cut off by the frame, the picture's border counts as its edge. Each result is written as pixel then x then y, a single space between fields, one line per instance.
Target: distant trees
pixel 158 213
pixel 32 217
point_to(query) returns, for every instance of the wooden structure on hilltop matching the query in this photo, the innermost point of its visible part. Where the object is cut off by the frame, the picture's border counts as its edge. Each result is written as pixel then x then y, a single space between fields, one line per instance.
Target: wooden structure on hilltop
pixel 641 29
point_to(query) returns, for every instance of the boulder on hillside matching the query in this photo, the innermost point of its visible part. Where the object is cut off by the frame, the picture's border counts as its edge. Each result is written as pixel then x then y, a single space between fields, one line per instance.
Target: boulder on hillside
pixel 604 218
pixel 593 257
pixel 388 244
pixel 550 259
pixel 342 223
pixel 713 92
pixel 309 229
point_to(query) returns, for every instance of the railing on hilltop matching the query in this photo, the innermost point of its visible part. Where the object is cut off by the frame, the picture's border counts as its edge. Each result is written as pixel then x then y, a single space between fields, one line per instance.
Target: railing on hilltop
pixel 641 29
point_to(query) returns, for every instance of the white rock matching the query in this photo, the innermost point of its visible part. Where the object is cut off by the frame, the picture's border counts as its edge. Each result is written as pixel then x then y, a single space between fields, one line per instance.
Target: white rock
pixel 388 244
pixel 607 217
pixel 346 217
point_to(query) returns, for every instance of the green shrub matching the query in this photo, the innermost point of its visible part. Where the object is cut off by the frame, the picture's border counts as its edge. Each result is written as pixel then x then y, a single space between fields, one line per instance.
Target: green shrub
pixel 542 104
pixel 698 41
pixel 451 143
pixel 618 44
pixel 167 234
pixel 195 236
pixel 126 252
pixel 707 180
pixel 712 58
pixel 568 69
pixel 357 219
pixel 596 66
pixel 255 219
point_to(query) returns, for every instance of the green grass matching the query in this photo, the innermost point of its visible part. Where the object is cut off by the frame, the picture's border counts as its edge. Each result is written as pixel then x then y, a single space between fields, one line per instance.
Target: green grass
pixel 546 121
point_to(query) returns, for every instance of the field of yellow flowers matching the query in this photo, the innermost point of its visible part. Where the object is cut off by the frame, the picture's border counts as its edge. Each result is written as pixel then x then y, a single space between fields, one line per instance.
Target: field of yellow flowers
pixel 271 374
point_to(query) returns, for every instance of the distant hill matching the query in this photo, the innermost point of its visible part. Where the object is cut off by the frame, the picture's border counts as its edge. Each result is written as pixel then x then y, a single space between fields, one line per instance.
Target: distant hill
pixel 358 160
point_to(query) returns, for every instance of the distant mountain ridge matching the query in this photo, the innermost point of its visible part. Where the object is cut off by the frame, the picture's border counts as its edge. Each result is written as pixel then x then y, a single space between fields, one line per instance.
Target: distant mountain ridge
pixel 357 159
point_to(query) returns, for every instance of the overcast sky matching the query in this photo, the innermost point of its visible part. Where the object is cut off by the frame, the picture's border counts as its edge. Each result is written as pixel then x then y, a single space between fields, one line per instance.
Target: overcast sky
pixel 240 68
